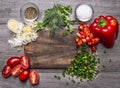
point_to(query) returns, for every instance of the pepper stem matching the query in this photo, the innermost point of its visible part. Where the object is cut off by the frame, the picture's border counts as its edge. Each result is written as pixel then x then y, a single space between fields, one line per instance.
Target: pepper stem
pixel 102 23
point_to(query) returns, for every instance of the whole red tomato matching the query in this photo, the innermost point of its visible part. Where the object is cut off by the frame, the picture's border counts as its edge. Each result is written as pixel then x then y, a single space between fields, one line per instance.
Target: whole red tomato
pixel 6 72
pixel 34 77
pixel 25 62
pixel 24 75
pixel 16 70
pixel 13 61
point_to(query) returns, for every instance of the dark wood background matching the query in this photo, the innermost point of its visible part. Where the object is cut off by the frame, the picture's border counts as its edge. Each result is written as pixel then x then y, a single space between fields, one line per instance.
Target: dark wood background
pixel 109 76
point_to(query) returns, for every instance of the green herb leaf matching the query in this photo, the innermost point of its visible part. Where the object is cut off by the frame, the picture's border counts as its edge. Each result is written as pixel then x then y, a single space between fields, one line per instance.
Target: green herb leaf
pixel 67 83
pixel 57 17
pixel 105 51
pixel 110 60
pixel 84 66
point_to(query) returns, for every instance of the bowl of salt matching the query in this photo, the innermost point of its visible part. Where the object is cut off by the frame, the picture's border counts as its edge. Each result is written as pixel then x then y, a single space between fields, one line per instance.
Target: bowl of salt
pixel 84 12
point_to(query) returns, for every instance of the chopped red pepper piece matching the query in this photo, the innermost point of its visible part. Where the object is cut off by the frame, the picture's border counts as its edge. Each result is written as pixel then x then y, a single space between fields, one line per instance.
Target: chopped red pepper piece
pixel 84 36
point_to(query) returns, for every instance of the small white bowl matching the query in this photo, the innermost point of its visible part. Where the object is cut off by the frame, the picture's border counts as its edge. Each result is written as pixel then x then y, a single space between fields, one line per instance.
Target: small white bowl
pixel 24 7
pixel 84 12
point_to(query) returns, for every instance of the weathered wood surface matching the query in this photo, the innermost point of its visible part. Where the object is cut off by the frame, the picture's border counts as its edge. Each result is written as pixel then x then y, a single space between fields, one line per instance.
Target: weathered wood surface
pixel 104 80
pixel 109 76
pixel 47 52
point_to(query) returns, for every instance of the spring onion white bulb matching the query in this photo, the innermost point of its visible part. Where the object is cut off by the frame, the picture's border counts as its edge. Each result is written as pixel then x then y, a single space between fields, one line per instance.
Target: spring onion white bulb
pixel 15 26
pixel 23 38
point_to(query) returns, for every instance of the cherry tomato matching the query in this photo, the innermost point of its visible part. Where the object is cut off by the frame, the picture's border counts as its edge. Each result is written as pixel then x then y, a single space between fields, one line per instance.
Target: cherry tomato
pixel 16 70
pixel 24 75
pixel 12 61
pixel 25 62
pixel 6 72
pixel 34 77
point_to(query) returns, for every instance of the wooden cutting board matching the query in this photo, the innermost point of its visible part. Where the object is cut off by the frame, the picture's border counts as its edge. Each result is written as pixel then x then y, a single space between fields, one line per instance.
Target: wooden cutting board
pixel 47 52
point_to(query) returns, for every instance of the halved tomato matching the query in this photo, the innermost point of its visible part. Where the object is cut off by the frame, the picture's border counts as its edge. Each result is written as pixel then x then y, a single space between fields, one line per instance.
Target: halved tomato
pixel 16 70
pixel 34 77
pixel 24 75
pixel 13 61
pixel 25 62
pixel 6 72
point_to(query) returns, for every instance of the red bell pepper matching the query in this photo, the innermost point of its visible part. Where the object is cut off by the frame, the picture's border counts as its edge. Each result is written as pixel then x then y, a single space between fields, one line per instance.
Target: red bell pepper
pixel 106 28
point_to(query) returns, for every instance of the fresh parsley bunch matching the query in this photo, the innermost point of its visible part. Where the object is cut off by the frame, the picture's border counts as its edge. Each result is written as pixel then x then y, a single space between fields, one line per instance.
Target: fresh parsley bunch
pixel 57 17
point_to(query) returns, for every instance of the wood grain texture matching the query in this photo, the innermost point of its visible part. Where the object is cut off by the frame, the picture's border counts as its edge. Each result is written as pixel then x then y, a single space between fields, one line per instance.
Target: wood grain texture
pixel 11 8
pixel 104 80
pixel 47 52
pixel 109 76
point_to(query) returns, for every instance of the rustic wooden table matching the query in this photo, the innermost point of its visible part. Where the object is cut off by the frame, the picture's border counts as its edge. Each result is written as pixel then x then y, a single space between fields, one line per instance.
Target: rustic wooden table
pixel 109 76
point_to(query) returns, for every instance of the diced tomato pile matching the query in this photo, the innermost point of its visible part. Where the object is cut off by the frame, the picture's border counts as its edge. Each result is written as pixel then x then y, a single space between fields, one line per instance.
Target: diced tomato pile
pixel 19 66
pixel 84 36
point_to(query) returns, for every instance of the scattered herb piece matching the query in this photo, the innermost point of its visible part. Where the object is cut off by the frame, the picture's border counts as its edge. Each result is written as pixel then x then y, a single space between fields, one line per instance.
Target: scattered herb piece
pixel 69 78
pixel 99 60
pixel 105 51
pixel 73 81
pixel 57 17
pixel 84 66
pixel 110 60
pixel 78 82
pixel 103 66
pixel 67 83
pixel 63 74
pixel 57 77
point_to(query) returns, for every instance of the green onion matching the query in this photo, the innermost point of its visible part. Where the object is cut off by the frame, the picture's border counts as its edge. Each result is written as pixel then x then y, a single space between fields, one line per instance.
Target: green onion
pixel 84 66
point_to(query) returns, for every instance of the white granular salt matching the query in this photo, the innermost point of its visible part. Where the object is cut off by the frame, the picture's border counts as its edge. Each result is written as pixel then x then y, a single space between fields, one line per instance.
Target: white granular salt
pixel 84 12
